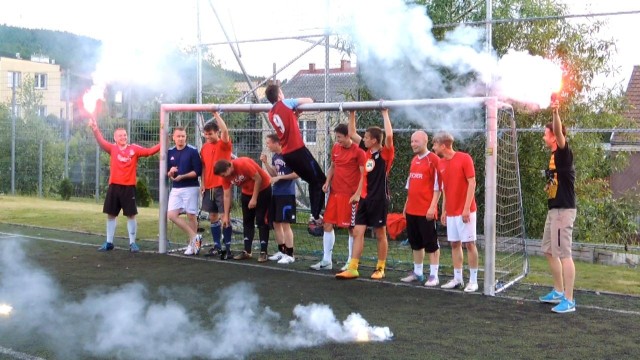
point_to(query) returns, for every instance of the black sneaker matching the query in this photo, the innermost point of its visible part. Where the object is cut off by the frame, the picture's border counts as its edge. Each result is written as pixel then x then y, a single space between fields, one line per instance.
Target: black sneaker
pixel 213 252
pixel 107 246
pixel 226 255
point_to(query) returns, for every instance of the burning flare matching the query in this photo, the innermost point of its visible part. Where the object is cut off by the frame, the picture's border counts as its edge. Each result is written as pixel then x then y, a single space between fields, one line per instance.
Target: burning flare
pixel 5 309
pixel 91 97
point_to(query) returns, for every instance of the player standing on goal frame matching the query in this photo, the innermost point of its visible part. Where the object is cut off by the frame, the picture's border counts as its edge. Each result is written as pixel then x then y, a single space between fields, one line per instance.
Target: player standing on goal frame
pixel 284 120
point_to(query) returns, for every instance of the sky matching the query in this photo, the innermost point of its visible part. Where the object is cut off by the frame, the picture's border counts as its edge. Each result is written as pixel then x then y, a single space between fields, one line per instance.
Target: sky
pixel 146 26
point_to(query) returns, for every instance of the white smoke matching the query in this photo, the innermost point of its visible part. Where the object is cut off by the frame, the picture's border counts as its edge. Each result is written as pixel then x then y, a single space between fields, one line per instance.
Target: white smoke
pixel 400 59
pixel 125 322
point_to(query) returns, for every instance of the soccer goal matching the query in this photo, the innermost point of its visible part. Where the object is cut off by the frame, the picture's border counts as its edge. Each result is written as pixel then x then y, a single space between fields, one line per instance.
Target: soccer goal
pixel 502 238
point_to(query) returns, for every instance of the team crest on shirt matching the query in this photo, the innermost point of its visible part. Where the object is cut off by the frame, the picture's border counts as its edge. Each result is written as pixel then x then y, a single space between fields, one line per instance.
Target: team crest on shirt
pixel 370 165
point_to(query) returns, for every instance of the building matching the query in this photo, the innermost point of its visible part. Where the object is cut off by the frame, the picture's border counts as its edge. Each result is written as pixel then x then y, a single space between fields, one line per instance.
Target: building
pixel 47 79
pixel 629 178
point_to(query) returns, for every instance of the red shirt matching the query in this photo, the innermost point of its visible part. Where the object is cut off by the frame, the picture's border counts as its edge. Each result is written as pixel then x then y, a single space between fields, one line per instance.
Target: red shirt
pixel 454 174
pixel 346 168
pixel 244 169
pixel 285 122
pixel 376 173
pixel 210 154
pixel 421 183
pixel 124 162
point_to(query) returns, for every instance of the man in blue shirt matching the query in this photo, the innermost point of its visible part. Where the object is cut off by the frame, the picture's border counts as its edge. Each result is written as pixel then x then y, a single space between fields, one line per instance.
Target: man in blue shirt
pixel 183 162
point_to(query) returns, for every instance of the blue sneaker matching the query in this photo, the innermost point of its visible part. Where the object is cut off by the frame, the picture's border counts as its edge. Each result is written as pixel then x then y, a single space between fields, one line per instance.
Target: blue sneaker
pixel 133 247
pixel 565 306
pixel 553 297
pixel 107 246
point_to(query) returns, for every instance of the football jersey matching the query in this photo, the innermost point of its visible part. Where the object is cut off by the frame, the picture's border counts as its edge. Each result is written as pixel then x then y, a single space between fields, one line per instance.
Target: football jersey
pixel 210 154
pixel 454 173
pixel 124 162
pixel 421 183
pixel 244 169
pixel 376 173
pixel 346 168
pixel 285 122
pixel 186 160
pixel 282 187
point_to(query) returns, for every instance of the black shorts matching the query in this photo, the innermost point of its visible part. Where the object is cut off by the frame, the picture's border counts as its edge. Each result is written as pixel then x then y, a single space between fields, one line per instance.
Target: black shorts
pixel 422 233
pixel 372 212
pixel 283 209
pixel 120 197
pixel 213 200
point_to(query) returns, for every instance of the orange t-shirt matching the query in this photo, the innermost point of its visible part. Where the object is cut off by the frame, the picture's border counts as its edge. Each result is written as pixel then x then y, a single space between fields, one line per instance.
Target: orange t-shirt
pixel 244 169
pixel 210 154
pixel 346 168
pixel 422 183
pixel 454 174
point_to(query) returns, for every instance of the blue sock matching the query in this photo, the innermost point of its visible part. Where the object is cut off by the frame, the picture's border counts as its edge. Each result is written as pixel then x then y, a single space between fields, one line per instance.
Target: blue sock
pixel 215 233
pixel 226 233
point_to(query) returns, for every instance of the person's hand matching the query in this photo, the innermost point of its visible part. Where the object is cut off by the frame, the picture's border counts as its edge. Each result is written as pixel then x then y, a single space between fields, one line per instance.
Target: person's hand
pixel 354 199
pixel 431 214
pixel 252 203
pixel 202 189
pixel 263 158
pixel 92 124
pixel 275 179
pixel 225 220
pixel 443 218
pixel 466 216
pixel 325 187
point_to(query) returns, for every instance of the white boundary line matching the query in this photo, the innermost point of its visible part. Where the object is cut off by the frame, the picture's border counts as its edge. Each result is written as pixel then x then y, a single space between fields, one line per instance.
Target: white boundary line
pixel 317 273
pixel 17 354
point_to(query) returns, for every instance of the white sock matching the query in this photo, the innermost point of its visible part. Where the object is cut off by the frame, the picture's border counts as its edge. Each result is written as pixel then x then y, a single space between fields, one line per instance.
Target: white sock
pixel 418 269
pixel 473 277
pixel 433 270
pixel 132 227
pixel 350 246
pixel 111 230
pixel 328 239
pixel 457 275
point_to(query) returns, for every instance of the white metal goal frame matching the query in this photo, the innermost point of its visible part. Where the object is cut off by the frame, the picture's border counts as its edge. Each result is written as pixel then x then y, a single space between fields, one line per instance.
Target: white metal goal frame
pixel 491 285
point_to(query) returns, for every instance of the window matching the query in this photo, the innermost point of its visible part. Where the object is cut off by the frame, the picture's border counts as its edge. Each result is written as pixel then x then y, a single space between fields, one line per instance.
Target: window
pixel 10 79
pixel 40 81
pixel 309 131
pixel 42 111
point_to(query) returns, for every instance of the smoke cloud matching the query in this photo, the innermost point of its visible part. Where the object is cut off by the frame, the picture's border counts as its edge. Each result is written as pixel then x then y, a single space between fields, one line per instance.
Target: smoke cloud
pixel 400 59
pixel 125 322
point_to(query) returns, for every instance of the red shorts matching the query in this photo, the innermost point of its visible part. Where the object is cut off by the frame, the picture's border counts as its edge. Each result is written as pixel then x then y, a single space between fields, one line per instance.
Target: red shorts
pixel 339 211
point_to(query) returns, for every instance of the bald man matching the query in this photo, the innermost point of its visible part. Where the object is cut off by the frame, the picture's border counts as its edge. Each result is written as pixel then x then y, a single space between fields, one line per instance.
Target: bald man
pixel 422 211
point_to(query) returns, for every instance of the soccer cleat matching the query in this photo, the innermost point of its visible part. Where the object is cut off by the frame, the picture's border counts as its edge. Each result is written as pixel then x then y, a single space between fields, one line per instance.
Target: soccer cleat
pixel 243 256
pixel 553 297
pixel 565 306
pixel 412 277
pixel 213 252
pixel 378 274
pixel 262 257
pixel 190 251
pixel 197 244
pixel 471 287
pixel 226 255
pixel 277 256
pixel 432 281
pixel 133 247
pixel 348 274
pixel 322 265
pixel 107 246
pixel 453 284
pixel 286 259
pixel 345 267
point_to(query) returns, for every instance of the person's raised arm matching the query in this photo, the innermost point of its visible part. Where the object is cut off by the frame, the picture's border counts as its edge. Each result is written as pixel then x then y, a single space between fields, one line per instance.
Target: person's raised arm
pixel 224 131
pixel 353 134
pixel 557 125
pixel 104 144
pixel 388 130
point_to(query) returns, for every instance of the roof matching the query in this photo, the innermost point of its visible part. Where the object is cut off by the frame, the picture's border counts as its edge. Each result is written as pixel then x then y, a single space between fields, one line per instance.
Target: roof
pixel 310 83
pixel 633 113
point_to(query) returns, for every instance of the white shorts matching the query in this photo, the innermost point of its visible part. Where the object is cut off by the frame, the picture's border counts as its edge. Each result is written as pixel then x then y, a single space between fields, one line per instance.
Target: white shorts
pixel 460 231
pixel 184 199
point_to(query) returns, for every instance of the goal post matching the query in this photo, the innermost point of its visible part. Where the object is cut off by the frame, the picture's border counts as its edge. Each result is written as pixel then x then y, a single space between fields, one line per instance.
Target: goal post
pixel 498 115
